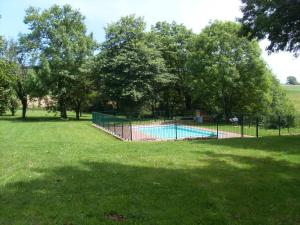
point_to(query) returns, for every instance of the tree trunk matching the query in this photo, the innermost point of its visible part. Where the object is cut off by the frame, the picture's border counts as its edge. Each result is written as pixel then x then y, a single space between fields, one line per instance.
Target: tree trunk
pixel 78 109
pixel 153 107
pixel 167 113
pixel 63 112
pixel 24 107
pixel 77 114
pixel 13 111
pixel 63 107
pixel 188 103
pixel 227 114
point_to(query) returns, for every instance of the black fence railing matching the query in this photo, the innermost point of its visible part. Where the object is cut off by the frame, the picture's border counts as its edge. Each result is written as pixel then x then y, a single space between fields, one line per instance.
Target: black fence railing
pixel 189 127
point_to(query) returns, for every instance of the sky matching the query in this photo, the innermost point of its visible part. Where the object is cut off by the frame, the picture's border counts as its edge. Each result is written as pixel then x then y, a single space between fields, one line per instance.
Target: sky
pixel 194 14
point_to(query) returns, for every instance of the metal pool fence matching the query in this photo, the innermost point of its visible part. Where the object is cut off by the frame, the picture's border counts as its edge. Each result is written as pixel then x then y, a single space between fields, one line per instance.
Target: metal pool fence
pixel 182 128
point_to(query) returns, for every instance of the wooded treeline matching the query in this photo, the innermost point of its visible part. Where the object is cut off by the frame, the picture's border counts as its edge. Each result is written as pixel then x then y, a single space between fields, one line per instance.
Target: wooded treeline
pixel 136 70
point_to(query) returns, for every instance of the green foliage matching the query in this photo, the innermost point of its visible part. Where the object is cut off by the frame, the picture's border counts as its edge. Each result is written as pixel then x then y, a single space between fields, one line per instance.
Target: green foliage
pixel 82 86
pixel 4 87
pixel 291 80
pixel 13 104
pixel 278 21
pixel 59 33
pixel 6 80
pixel 167 69
pixel 280 104
pixel 229 75
pixel 129 65
pixel 18 56
pixel 174 43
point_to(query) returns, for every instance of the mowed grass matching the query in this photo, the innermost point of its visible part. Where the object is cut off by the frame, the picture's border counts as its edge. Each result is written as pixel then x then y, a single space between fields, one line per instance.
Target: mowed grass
pixel 293 93
pixel 67 172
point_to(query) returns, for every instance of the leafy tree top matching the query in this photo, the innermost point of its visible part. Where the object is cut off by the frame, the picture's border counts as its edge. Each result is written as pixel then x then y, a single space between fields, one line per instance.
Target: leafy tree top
pixel 279 21
pixel 231 76
pixel 129 64
pixel 59 33
pixel 173 41
pixel 291 80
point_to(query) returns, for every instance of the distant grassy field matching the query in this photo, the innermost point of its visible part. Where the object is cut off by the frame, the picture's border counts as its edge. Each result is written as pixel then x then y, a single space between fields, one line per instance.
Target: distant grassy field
pixel 55 172
pixel 293 92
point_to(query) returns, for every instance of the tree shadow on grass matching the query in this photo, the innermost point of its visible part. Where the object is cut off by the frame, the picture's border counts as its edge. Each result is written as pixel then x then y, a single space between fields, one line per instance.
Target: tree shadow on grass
pixel 287 144
pixel 229 189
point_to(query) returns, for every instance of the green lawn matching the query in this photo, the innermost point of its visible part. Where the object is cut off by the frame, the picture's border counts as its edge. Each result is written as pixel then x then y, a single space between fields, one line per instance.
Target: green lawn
pixel 69 173
pixel 293 93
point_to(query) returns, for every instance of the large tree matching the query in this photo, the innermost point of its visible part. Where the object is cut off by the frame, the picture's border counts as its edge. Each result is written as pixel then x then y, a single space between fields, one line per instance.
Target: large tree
pixel 279 21
pixel 58 35
pixel 129 65
pixel 291 80
pixel 5 85
pixel 82 86
pixel 3 81
pixel 16 55
pixel 280 104
pixel 174 41
pixel 7 69
pixel 230 75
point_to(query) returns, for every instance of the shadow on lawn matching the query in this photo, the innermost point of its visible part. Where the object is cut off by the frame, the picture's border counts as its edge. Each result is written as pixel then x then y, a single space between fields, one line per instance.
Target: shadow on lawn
pixel 272 143
pixel 230 189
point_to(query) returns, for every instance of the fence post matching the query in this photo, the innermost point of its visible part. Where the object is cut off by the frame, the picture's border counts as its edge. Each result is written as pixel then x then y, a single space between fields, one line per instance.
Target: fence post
pixel 217 128
pixel 130 130
pixel 257 127
pixel 288 124
pixel 176 128
pixel 279 125
pixel 122 129
pixel 115 127
pixel 242 126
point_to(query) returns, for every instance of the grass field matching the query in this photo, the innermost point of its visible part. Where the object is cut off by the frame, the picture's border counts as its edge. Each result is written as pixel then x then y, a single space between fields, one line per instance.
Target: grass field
pixel 69 173
pixel 293 93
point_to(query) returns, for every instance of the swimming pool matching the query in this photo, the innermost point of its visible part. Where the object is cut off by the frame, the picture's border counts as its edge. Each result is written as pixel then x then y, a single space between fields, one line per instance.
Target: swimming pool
pixel 170 132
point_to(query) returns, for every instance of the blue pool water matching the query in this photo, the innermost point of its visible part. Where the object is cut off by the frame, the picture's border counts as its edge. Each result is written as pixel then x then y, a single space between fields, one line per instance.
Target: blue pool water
pixel 169 132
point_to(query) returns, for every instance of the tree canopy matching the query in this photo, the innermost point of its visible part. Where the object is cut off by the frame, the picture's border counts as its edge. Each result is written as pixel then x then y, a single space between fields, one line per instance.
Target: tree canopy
pixel 7 69
pixel 230 75
pixel 174 43
pixel 17 55
pixel 279 21
pixel 128 64
pixel 138 71
pixel 5 87
pixel 291 80
pixel 58 34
